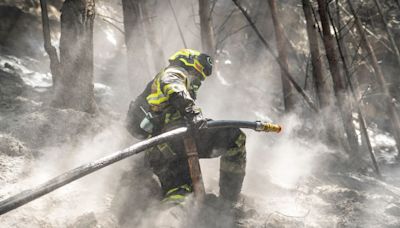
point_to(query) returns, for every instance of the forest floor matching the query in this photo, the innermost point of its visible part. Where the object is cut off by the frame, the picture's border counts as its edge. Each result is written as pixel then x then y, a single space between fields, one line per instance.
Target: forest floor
pixel 38 142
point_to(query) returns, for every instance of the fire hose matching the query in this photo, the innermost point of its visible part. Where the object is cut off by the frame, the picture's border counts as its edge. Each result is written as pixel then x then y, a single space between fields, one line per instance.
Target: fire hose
pixel 29 195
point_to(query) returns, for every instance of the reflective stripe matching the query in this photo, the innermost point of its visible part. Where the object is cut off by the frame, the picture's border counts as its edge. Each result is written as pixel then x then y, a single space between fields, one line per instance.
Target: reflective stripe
pixel 184 52
pixel 158 97
pixel 177 199
pixel 177 195
pixel 157 101
pixel 196 65
pixel 184 187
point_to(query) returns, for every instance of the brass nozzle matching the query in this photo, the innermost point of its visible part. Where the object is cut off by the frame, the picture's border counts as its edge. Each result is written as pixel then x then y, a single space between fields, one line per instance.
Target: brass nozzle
pixel 268 127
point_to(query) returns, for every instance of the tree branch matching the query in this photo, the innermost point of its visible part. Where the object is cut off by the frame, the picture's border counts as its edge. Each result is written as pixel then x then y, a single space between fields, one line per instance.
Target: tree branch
pixel 268 47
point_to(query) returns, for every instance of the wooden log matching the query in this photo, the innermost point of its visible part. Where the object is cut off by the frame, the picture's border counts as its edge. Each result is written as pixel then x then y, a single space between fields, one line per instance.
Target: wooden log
pixel 194 167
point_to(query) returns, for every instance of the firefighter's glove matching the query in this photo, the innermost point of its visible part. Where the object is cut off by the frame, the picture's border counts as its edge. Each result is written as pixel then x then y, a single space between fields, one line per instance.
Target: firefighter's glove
pixel 185 105
pixel 199 122
pixel 195 118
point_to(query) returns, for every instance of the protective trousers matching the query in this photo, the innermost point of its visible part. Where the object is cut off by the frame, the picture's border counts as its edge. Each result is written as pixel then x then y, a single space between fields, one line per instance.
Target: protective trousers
pixel 169 162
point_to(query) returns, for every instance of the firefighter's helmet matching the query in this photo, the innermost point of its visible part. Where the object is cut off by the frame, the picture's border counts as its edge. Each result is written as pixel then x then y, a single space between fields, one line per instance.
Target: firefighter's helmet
pixel 201 62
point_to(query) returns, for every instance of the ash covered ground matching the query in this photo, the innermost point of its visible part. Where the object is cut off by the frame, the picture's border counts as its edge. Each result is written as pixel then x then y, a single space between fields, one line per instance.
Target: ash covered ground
pixel 292 179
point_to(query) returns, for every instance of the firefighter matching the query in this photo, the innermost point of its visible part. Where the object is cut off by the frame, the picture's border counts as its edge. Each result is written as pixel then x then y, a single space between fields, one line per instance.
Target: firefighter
pixel 168 102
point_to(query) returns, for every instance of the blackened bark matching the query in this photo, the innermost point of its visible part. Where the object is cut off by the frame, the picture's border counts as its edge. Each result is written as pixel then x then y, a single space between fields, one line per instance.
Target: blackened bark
pixel 50 49
pixel 396 79
pixel 288 95
pixel 135 42
pixel 298 88
pixel 393 116
pixel 131 13
pixel 319 80
pixel 206 29
pixel 156 52
pixel 75 89
pixel 322 88
pixel 363 126
pixel 338 80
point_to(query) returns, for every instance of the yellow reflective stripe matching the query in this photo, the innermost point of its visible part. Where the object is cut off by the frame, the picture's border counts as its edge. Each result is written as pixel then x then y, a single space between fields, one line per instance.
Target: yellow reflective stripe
pixel 178 198
pixel 171 191
pixel 153 95
pixel 156 93
pixel 184 187
pixel 196 65
pixel 157 97
pixel 157 101
pixel 184 52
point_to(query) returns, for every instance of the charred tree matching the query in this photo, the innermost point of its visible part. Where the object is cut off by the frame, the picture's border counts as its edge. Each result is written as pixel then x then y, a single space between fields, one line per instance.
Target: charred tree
pixel 206 28
pixel 391 109
pixel 321 86
pixel 342 41
pixel 298 88
pixel 341 29
pixel 157 53
pixel 338 82
pixel 361 120
pixel 288 95
pixel 318 75
pixel 50 49
pixel 134 39
pixel 393 44
pixel 75 87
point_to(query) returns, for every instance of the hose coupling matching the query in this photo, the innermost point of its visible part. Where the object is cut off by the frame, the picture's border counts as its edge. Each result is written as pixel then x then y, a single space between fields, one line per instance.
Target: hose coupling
pixel 268 127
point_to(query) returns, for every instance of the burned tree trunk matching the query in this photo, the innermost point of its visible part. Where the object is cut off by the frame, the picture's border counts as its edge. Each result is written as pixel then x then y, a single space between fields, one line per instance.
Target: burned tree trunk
pixel 75 89
pixel 134 39
pixel 323 91
pixel 338 82
pixel 50 49
pixel 298 88
pixel 288 95
pixel 363 125
pixel 157 53
pixel 396 79
pixel 393 116
pixel 206 29
pixel 342 29
pixel 130 11
pixel 319 80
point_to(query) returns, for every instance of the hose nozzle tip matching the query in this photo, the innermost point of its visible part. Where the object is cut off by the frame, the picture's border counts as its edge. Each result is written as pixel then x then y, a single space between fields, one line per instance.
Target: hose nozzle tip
pixel 268 127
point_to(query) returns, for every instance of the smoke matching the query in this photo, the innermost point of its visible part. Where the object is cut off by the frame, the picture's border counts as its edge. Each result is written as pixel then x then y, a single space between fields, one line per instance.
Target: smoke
pixel 246 85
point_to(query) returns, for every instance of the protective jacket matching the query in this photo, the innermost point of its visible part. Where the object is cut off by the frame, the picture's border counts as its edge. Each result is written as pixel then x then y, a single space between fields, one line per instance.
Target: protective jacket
pixel 167 102
pixel 172 95
pixel 168 98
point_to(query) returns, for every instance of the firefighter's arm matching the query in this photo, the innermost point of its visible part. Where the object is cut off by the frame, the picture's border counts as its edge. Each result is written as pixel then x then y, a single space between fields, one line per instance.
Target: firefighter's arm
pixel 174 86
